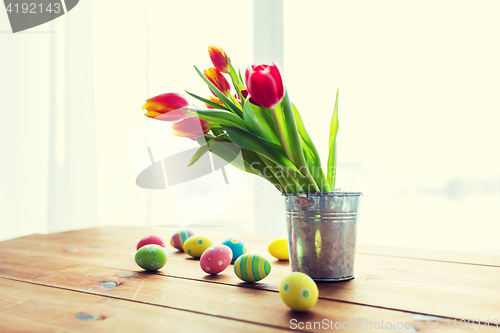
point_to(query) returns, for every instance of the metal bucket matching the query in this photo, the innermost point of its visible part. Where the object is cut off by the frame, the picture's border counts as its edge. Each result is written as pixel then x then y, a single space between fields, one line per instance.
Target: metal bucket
pixel 322 234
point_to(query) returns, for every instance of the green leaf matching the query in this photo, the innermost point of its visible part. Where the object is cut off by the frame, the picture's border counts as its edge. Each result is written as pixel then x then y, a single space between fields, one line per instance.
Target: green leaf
pixel 240 87
pixel 235 102
pixel 241 78
pixel 230 105
pixel 232 73
pixel 218 131
pixel 293 140
pixel 199 153
pixel 209 102
pixel 265 118
pixel 332 145
pixel 252 122
pixel 220 117
pixel 260 122
pixel 281 130
pixel 236 81
pixel 251 161
pixel 304 135
pixel 315 167
pixel 311 154
pixel 287 183
pixel 263 147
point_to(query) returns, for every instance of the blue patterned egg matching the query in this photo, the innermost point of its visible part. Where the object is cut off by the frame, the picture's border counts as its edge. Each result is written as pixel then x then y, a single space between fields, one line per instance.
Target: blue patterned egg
pixel 251 267
pixel 237 246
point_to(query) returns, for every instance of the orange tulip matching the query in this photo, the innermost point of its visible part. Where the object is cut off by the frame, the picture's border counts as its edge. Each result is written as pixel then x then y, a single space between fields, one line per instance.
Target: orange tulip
pixel 215 100
pixel 191 127
pixel 167 107
pixel 218 57
pixel 216 77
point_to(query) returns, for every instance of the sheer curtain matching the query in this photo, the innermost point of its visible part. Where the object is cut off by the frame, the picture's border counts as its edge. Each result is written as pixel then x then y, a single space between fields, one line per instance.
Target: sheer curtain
pixel 71 94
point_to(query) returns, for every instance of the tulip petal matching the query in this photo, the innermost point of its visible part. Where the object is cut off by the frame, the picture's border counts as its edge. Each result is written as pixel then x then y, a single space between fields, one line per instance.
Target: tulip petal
pixel 219 58
pixel 218 80
pixel 230 105
pixel 167 107
pixel 265 85
pixel 175 115
pixel 191 127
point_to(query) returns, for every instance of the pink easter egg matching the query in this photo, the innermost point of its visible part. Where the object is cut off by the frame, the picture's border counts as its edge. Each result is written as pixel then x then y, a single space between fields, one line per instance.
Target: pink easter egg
pixel 151 239
pixel 215 259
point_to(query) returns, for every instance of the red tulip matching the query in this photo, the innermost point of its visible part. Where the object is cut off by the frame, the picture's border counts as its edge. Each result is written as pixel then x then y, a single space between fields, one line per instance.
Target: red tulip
pixel 167 107
pixel 191 127
pixel 215 100
pixel 216 77
pixel 218 57
pixel 265 85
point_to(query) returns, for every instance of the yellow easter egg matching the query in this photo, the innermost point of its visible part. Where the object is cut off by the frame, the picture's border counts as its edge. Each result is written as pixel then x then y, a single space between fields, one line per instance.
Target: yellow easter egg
pixel 196 245
pixel 278 248
pixel 299 291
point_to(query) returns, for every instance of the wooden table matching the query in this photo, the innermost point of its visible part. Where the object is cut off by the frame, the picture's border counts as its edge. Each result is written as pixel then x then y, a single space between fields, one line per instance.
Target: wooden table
pixel 87 280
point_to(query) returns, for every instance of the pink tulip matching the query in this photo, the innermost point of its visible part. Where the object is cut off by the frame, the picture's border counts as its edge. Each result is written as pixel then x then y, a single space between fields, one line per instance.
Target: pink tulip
pixel 191 127
pixel 265 85
pixel 167 107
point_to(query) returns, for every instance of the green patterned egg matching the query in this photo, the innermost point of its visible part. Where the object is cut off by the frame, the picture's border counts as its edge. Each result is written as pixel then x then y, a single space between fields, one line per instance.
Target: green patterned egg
pixel 251 267
pixel 151 257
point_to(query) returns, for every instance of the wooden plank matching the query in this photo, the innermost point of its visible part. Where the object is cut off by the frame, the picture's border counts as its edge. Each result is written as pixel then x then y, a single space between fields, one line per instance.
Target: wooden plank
pixel 434 288
pixel 230 301
pixel 446 256
pixel 26 307
pixel 118 233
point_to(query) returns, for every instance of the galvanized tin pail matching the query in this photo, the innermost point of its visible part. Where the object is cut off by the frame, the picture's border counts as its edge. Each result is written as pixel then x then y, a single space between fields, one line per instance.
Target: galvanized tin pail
pixel 322 234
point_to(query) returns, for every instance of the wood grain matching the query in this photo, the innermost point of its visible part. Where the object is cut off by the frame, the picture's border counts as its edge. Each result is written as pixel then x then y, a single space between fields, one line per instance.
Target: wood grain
pixel 443 256
pixel 428 287
pixel 251 305
pixel 26 307
pixel 119 233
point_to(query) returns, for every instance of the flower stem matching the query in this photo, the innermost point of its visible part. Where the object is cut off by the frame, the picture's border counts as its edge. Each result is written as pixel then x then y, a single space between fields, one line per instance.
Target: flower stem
pixel 278 174
pixel 281 135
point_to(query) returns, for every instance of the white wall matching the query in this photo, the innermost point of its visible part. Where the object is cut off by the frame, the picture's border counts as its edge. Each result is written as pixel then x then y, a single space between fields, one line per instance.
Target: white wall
pixel 418 111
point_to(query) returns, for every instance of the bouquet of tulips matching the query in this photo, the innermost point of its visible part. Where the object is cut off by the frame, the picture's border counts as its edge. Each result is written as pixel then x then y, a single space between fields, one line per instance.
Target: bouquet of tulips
pixel 257 121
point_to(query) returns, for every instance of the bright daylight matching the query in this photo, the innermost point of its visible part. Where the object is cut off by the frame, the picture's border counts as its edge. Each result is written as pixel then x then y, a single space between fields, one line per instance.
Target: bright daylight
pixel 249 166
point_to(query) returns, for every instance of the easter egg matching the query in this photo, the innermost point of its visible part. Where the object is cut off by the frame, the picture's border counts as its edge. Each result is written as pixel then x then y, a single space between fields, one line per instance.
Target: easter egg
pixel 216 259
pixel 196 245
pixel 278 248
pixel 237 246
pixel 151 257
pixel 299 291
pixel 151 239
pixel 251 267
pixel 179 238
